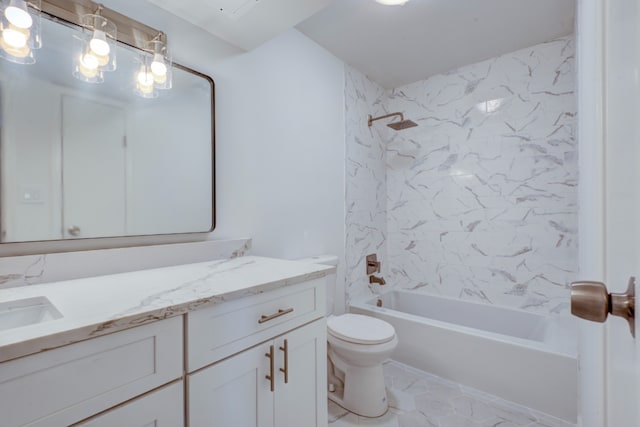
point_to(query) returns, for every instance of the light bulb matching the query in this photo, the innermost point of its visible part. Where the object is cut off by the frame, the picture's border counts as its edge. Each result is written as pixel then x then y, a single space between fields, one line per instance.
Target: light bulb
pixel 89 61
pixel 99 44
pixel 158 67
pixel 145 89
pixel 14 38
pixel 145 82
pixel 145 78
pixel 88 65
pixel 17 14
pixel 17 52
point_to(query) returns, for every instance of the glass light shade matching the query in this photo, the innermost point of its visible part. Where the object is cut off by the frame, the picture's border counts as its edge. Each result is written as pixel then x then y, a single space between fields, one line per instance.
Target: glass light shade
pixel 144 78
pixel 99 38
pixel 160 65
pixel 86 66
pixel 19 30
pixel 17 13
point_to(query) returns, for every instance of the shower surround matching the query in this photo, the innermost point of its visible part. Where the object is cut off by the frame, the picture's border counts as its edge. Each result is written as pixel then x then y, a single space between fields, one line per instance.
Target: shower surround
pixel 481 197
pixel 366 191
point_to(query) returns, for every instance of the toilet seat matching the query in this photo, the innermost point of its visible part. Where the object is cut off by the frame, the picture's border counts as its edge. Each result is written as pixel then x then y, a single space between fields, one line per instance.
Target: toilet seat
pixel 359 329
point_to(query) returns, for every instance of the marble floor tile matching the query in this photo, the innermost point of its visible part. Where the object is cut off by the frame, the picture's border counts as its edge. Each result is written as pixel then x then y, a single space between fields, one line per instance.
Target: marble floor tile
pixel 416 419
pixel 498 422
pixel 434 405
pixel 456 420
pixel 472 408
pixel 419 399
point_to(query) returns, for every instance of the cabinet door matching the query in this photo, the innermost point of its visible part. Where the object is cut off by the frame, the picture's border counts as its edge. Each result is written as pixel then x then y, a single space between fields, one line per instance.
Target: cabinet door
pixel 161 408
pixel 302 401
pixel 233 392
pixel 68 384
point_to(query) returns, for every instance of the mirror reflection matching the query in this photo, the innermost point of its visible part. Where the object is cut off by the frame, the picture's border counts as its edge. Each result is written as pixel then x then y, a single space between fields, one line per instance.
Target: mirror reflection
pixel 85 160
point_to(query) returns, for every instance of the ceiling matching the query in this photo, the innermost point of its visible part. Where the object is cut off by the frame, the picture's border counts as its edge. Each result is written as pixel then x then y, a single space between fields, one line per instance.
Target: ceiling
pixel 396 45
pixel 243 23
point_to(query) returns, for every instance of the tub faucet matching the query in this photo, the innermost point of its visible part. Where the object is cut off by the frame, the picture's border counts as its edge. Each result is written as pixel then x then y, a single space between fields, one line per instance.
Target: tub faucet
pixel 376 279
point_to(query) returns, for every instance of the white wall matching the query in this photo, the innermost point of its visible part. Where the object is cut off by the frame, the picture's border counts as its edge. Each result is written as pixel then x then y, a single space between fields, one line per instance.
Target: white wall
pixel 280 148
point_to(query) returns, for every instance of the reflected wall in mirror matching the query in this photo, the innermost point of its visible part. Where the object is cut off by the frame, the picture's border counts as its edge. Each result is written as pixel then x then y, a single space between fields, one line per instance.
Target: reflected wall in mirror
pixel 82 160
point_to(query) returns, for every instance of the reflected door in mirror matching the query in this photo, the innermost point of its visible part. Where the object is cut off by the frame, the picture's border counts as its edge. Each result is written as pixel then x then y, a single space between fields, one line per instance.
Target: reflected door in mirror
pixel 94 175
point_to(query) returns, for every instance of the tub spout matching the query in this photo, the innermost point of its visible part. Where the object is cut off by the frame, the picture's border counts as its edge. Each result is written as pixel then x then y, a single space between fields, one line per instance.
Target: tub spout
pixel 378 280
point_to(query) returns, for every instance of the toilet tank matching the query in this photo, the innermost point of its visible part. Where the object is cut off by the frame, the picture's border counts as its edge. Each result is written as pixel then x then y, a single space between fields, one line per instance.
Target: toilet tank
pixel 331 278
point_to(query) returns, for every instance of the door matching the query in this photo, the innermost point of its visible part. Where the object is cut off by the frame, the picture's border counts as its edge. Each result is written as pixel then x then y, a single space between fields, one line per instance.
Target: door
pixel 301 395
pixel 609 138
pixel 233 392
pixel 93 169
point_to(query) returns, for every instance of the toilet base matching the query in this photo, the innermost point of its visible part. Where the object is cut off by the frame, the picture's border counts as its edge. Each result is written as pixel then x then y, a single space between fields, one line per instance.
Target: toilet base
pixel 337 397
pixel 364 391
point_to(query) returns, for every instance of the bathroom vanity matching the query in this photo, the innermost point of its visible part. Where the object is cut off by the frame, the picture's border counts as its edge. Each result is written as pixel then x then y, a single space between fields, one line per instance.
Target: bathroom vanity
pixel 236 342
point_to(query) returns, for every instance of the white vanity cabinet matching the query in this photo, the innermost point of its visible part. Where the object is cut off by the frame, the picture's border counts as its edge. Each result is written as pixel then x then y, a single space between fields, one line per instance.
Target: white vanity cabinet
pixel 160 408
pixel 258 359
pixel 273 373
pixel 66 385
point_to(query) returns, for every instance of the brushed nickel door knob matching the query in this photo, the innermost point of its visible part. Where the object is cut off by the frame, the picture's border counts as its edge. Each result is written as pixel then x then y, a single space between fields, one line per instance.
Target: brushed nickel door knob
pixel 591 301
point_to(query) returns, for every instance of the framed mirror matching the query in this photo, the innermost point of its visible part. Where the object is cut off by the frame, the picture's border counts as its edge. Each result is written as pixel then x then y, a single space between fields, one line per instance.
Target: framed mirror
pixel 85 160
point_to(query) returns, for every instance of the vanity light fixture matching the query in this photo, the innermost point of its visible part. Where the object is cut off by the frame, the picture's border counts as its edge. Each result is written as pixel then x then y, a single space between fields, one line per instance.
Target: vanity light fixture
pixel 97 40
pixel 96 51
pixel 20 30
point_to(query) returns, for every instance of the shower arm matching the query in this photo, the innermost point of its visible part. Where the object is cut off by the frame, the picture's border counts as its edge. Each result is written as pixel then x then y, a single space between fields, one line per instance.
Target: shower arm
pixel 386 116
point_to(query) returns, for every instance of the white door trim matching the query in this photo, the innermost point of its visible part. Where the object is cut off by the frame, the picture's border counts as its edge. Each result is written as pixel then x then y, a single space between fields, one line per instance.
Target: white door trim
pixel 591 202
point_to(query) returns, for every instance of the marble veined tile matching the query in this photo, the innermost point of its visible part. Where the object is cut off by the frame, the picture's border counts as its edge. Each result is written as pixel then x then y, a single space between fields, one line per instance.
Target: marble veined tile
pixel 482 195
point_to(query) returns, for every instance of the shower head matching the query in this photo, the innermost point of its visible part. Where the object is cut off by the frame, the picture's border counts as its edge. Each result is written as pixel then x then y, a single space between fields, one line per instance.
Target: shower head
pixel 400 125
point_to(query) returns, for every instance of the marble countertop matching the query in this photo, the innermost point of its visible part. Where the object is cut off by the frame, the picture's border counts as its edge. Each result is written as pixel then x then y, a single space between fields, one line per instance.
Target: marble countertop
pixel 101 305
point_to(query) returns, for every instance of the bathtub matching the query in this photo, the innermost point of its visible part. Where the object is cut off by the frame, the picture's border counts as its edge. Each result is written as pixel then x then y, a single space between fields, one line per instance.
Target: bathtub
pixel 519 356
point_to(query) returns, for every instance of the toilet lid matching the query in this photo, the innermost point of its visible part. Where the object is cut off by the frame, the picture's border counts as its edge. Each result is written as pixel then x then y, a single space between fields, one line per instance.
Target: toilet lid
pixel 359 329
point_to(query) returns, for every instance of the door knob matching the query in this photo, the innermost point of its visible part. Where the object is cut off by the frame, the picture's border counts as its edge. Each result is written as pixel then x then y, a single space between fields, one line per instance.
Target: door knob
pixel 591 301
pixel 74 230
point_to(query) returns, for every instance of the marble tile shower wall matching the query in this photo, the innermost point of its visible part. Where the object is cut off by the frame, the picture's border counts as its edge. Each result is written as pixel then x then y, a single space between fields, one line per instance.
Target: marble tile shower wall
pixel 366 191
pixel 482 196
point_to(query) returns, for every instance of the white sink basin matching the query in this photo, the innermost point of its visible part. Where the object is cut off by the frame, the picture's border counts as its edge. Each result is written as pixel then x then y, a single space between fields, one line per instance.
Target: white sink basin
pixel 24 312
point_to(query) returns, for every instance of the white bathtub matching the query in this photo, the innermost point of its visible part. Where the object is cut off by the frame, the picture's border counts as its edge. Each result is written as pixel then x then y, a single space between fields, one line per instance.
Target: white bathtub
pixel 522 357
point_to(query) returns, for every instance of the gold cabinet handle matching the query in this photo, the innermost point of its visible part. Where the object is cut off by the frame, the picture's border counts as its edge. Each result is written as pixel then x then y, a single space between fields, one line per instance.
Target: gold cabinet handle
pixel 285 370
pixel 281 312
pixel 271 358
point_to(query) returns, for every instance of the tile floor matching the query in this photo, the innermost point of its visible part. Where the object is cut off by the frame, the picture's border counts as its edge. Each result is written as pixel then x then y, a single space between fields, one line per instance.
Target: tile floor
pixel 419 399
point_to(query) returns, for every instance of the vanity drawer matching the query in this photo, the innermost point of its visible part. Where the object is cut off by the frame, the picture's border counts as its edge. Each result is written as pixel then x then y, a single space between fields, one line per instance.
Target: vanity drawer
pixel 68 384
pixel 224 329
pixel 160 408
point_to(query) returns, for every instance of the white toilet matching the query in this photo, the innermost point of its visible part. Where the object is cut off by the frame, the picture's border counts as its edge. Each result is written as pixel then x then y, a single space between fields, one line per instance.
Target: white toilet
pixel 357 347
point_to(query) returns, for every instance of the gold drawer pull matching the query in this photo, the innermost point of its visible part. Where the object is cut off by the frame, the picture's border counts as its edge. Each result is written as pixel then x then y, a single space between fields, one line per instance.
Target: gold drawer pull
pixel 271 377
pixel 285 371
pixel 280 312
